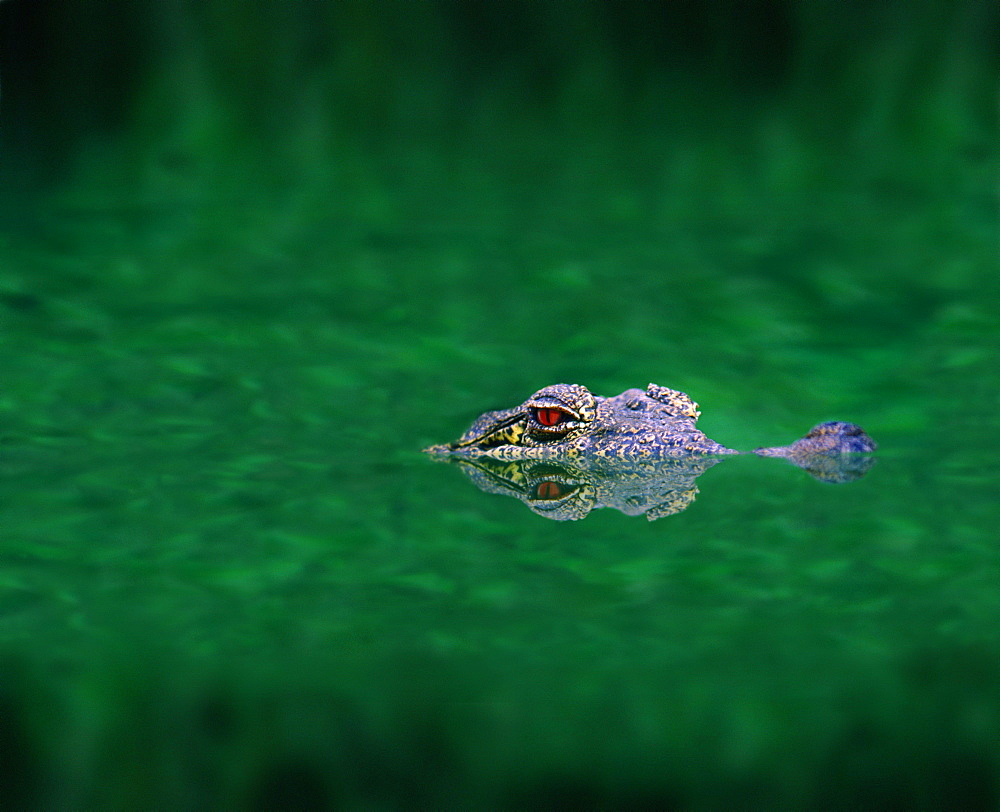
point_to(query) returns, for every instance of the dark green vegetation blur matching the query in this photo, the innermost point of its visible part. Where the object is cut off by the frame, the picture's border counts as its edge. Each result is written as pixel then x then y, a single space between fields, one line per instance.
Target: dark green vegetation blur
pixel 254 256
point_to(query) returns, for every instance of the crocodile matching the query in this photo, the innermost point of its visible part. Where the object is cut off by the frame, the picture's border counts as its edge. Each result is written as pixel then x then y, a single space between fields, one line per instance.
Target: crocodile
pixel 565 421
pixel 601 447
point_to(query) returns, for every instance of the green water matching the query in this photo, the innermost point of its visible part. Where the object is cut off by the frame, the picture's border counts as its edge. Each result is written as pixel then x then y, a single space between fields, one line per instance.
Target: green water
pixel 230 580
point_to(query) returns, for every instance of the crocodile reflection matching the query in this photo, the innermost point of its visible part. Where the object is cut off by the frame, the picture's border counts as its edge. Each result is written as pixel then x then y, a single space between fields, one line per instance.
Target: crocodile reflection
pixel 563 491
pixel 565 452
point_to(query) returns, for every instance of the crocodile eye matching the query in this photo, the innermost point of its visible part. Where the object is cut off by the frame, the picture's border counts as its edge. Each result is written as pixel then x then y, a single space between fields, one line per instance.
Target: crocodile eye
pixel 550 416
pixel 549 490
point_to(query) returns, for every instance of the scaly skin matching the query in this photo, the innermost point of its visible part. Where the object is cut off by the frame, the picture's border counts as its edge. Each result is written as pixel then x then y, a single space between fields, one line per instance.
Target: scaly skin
pixel 565 422
pixel 564 452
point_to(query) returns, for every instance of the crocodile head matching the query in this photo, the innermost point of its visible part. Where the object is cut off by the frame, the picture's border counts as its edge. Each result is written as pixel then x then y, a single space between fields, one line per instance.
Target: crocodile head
pixel 567 421
pixel 565 451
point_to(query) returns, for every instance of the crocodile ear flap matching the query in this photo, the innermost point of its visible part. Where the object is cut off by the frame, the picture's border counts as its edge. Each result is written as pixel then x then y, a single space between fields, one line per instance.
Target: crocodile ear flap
pixel 676 402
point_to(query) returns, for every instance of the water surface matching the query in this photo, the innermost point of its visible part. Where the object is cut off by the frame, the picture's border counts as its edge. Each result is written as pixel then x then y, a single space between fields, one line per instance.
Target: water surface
pixel 222 549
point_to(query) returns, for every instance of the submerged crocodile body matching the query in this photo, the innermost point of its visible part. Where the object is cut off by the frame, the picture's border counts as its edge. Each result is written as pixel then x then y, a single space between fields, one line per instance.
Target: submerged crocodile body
pixel 564 451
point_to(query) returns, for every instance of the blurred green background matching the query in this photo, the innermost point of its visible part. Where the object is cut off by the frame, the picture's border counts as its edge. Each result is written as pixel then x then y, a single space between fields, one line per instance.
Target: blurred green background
pixel 254 256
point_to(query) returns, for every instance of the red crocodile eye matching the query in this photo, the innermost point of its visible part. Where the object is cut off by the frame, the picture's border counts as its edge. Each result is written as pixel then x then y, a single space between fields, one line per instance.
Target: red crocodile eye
pixel 550 417
pixel 548 490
